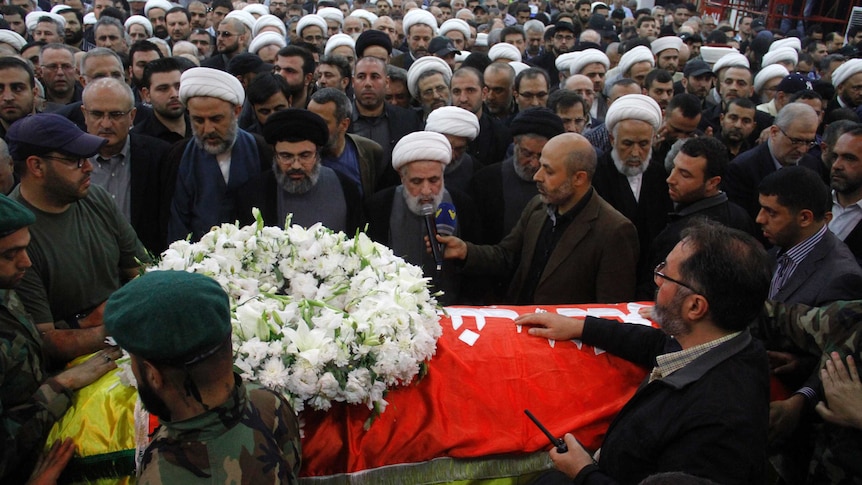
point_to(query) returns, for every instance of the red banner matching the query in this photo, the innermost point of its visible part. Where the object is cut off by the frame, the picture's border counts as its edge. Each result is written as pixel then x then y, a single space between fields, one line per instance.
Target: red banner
pixel 487 371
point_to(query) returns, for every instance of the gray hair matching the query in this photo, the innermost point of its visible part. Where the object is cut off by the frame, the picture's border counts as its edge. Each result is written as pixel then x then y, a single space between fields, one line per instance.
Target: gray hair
pixel 105 20
pixel 792 112
pixel 343 106
pixel 534 26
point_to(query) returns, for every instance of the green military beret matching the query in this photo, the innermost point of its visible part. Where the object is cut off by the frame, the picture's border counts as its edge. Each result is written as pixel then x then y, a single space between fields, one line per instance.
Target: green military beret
pixel 171 317
pixel 13 216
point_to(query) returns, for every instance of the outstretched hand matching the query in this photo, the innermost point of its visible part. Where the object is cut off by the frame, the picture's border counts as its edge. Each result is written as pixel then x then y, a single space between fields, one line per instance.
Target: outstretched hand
pixel 51 464
pixel 552 325
pixel 843 390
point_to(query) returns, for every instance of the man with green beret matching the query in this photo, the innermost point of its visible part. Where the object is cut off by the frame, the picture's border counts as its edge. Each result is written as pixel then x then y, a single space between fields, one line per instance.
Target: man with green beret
pixel 176 327
pixel 298 183
pixel 30 401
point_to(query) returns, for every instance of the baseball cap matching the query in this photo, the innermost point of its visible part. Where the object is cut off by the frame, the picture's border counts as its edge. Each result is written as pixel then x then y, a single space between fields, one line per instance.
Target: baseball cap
pixel 51 131
pixel 793 83
pixel 696 67
pixel 441 46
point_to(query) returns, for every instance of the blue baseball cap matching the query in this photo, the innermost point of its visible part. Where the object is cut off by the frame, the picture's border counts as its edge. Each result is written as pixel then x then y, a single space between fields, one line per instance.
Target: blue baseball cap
pixel 52 132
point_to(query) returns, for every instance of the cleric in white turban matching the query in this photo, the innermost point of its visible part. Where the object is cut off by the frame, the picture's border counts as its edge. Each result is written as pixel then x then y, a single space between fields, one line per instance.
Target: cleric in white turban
pixel 423 65
pixel 368 17
pixel 587 57
pixel 711 55
pixel 665 43
pixel 214 83
pixel 564 61
pixel 846 71
pixel 766 74
pixel 732 59
pixel 12 39
pixel 139 20
pixel 422 146
pixel 635 56
pixel 502 51
pixel 419 16
pixel 311 20
pixel 634 107
pixel 246 18
pixel 456 25
pixel 460 127
pixel 33 18
pixel 266 39
pixel 331 13
pixel 257 10
pixel 792 42
pixel 271 21
pixel 151 4
pixel 786 56
pixel 338 40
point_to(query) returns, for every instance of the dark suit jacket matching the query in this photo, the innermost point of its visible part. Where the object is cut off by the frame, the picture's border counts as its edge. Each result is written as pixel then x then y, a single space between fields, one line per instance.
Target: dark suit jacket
pixel 594 261
pixel 148 154
pixel 261 190
pixel 854 242
pixel 490 146
pixel 829 273
pixel 371 163
pixel 712 119
pixel 401 122
pixel 649 212
pixel 745 172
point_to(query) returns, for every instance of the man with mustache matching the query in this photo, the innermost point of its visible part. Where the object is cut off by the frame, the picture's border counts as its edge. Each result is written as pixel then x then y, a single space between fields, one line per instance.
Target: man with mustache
pixel 847 190
pixel 627 177
pixel 128 165
pixel 17 91
pixel 219 159
pixel 420 27
pixel 737 123
pixel 298 183
pixel 57 67
pixel 79 235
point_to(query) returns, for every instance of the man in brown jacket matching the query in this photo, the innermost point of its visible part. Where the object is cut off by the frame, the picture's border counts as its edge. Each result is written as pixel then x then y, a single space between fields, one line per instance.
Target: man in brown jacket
pixel 570 246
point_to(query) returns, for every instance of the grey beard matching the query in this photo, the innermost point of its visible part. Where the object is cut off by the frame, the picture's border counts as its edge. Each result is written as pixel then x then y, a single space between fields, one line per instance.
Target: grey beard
pixel 627 170
pixel 296 186
pixel 225 145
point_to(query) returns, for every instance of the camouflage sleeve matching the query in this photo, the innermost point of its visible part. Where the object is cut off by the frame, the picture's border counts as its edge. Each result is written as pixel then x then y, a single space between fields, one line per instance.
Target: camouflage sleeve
pixel 813 330
pixel 23 428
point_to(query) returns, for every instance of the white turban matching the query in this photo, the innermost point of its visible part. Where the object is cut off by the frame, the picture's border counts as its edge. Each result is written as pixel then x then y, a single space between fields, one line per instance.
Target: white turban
pixel 421 146
pixel 462 56
pixel 587 57
pixel 265 39
pixel 331 13
pixel 374 2
pixel 246 18
pixel 310 20
pixel 793 42
pixel 596 4
pixel 139 20
pixel 481 40
pixel 256 8
pixel 457 25
pixel 419 16
pixel 421 66
pixel 267 21
pixel 162 4
pixel 90 19
pixel 711 55
pixel 60 8
pixel 767 73
pixel 733 59
pixel 14 39
pixel 338 40
pixel 206 81
pixel 564 61
pixel 502 50
pixel 452 120
pixel 778 55
pixel 634 56
pixel 846 71
pixel 32 19
pixel 665 43
pixel 634 107
pixel 364 14
pixel 518 66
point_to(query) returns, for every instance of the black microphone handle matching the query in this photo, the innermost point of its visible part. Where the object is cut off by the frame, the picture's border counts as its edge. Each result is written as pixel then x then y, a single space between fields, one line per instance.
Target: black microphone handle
pixel 431 231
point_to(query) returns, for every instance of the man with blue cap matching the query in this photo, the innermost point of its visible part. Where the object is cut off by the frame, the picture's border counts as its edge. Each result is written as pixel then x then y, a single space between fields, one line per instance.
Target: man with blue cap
pixel 176 327
pixel 82 248
pixel 30 401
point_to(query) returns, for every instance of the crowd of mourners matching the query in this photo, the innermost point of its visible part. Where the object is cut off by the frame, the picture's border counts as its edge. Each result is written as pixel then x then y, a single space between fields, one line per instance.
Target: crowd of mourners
pixel 529 153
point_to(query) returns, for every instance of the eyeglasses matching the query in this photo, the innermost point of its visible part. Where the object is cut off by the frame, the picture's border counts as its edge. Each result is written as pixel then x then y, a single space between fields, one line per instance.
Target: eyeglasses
pixel 225 34
pixel 524 154
pixel 78 162
pixel 113 115
pixel 430 92
pixel 798 142
pixel 55 67
pixel 658 274
pixel 288 158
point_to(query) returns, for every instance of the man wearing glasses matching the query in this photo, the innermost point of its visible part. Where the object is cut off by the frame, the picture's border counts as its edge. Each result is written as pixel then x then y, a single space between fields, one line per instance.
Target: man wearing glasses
pixel 57 67
pixel 127 166
pixel 565 39
pixel 232 38
pixel 81 247
pixel 790 137
pixel 703 409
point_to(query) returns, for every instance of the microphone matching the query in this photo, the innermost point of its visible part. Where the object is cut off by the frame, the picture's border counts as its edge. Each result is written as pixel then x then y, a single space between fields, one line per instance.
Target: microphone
pixel 427 213
pixel 447 219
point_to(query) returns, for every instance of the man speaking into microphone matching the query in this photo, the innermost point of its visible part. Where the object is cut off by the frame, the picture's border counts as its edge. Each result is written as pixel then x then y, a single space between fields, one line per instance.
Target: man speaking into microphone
pixel 569 246
pixel 401 217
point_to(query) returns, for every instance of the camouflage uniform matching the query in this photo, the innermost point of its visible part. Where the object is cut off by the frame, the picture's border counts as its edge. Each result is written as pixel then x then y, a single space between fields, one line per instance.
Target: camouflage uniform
pixel 253 438
pixel 818 331
pixel 28 407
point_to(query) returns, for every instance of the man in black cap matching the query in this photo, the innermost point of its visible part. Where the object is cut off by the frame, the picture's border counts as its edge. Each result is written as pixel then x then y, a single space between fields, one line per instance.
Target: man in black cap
pixel 298 183
pixel 502 190
pixel 176 327
pixel 81 246
pixel 697 80
pixel 443 48
pixel 30 402
pixel 565 38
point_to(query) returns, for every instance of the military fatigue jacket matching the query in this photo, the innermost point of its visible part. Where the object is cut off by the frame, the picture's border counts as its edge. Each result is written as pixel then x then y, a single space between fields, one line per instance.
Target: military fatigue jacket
pixel 253 438
pixel 28 407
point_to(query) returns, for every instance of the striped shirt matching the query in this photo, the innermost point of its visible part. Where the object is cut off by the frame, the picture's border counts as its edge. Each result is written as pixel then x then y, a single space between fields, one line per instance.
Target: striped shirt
pixel 788 261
